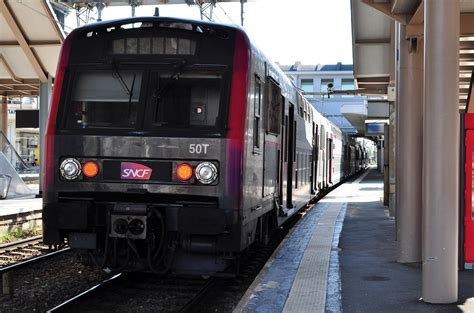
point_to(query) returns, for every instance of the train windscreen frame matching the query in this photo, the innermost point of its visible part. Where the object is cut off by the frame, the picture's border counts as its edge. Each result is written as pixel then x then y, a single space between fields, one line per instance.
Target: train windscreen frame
pixel 150 101
pixel 198 84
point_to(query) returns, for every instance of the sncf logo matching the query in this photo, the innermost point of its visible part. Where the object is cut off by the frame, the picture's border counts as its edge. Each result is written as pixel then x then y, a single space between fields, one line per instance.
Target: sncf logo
pixel 136 171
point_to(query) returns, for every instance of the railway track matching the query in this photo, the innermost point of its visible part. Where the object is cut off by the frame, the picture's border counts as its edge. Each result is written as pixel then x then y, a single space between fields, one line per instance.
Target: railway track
pixel 25 250
pixel 132 292
pixel 129 292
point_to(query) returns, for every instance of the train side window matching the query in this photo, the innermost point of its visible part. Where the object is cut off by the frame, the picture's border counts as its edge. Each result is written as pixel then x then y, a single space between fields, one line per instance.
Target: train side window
pixel 257 113
pixel 273 107
pixel 322 143
pixel 306 172
pixel 297 158
pixel 306 177
pixel 286 138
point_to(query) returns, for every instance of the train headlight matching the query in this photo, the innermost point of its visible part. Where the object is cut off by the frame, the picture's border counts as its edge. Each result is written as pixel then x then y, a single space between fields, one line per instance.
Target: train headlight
pixel 70 169
pixel 206 173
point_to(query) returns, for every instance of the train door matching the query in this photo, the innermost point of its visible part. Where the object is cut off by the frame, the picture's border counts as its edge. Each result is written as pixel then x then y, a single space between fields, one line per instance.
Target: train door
pixel 291 147
pixel 314 160
pixel 273 104
pixel 322 147
pixel 326 163
pixel 283 155
pixel 330 152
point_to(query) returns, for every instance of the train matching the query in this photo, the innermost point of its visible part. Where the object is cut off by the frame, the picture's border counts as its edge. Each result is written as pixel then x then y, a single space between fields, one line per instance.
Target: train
pixel 173 145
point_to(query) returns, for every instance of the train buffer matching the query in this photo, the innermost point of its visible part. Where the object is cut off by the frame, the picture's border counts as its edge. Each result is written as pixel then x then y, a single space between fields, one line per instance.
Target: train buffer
pixel 342 258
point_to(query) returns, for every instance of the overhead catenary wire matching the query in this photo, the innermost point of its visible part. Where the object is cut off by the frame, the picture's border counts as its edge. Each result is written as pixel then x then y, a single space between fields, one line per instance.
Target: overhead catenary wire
pixel 222 9
pixel 45 15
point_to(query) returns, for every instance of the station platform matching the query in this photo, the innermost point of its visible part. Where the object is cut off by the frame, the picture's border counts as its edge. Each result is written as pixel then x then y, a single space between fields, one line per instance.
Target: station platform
pixel 21 204
pixel 342 257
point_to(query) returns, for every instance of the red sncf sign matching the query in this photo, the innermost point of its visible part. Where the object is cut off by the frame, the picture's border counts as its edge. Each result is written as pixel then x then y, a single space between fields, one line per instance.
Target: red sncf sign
pixel 134 171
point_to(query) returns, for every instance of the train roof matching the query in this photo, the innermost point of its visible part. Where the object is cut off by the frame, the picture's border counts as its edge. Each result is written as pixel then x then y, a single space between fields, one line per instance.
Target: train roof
pixel 157 19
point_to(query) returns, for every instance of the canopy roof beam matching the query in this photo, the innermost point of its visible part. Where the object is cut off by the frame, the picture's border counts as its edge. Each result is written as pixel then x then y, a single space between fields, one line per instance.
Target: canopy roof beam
pixel 20 37
pixel 386 8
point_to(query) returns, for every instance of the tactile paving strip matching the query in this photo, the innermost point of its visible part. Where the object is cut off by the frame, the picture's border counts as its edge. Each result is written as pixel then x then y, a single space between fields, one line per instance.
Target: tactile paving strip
pixel 308 293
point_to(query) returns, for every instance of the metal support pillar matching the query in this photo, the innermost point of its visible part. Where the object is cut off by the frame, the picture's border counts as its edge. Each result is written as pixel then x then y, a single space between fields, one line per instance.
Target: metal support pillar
pixel 4 116
pixel 133 4
pixel 392 140
pixel 393 124
pixel 385 158
pixel 44 103
pixel 100 7
pixel 410 148
pixel 379 156
pixel 441 152
pixel 242 12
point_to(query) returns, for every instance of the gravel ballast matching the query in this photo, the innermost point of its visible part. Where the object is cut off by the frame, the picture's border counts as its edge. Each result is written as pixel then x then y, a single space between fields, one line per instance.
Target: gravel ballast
pixel 42 286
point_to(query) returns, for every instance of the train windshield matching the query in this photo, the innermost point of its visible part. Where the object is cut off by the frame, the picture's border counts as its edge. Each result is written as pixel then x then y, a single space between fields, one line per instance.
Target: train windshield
pixel 105 99
pixel 188 101
pixel 154 101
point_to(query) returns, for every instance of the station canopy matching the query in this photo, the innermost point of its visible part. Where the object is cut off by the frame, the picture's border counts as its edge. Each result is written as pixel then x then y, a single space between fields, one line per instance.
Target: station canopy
pixel 30 42
pixel 78 3
pixel 373 23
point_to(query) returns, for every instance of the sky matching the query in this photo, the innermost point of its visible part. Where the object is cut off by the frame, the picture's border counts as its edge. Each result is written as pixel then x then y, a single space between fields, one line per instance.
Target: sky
pixel 309 31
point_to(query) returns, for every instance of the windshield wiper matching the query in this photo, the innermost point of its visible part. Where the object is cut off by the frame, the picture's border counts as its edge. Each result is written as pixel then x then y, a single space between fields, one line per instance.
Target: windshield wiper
pixel 162 91
pixel 130 95
pixel 173 78
pixel 121 80
pixel 129 91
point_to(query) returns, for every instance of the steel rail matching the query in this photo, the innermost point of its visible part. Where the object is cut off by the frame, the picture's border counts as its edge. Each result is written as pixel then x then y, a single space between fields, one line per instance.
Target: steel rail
pixel 68 304
pixel 5 247
pixel 31 261
pixel 191 304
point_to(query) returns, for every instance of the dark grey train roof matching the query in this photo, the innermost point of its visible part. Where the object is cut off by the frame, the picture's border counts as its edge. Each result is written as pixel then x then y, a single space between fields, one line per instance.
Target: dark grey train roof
pixel 150 19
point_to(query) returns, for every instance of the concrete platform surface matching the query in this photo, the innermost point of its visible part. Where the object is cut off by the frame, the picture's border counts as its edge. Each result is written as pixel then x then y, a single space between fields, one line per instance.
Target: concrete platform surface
pixel 20 205
pixel 372 280
pixel 342 257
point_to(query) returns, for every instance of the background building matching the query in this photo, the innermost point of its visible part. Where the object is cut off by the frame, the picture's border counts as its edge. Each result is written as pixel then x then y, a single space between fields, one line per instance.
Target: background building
pixel 314 81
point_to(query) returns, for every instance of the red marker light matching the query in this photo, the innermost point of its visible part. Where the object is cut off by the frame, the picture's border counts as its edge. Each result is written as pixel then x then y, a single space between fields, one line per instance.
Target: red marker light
pixel 90 169
pixel 184 172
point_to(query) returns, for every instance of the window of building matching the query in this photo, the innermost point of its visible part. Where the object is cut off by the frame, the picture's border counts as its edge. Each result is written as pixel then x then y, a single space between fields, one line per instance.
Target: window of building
pixel 347 84
pixel 307 86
